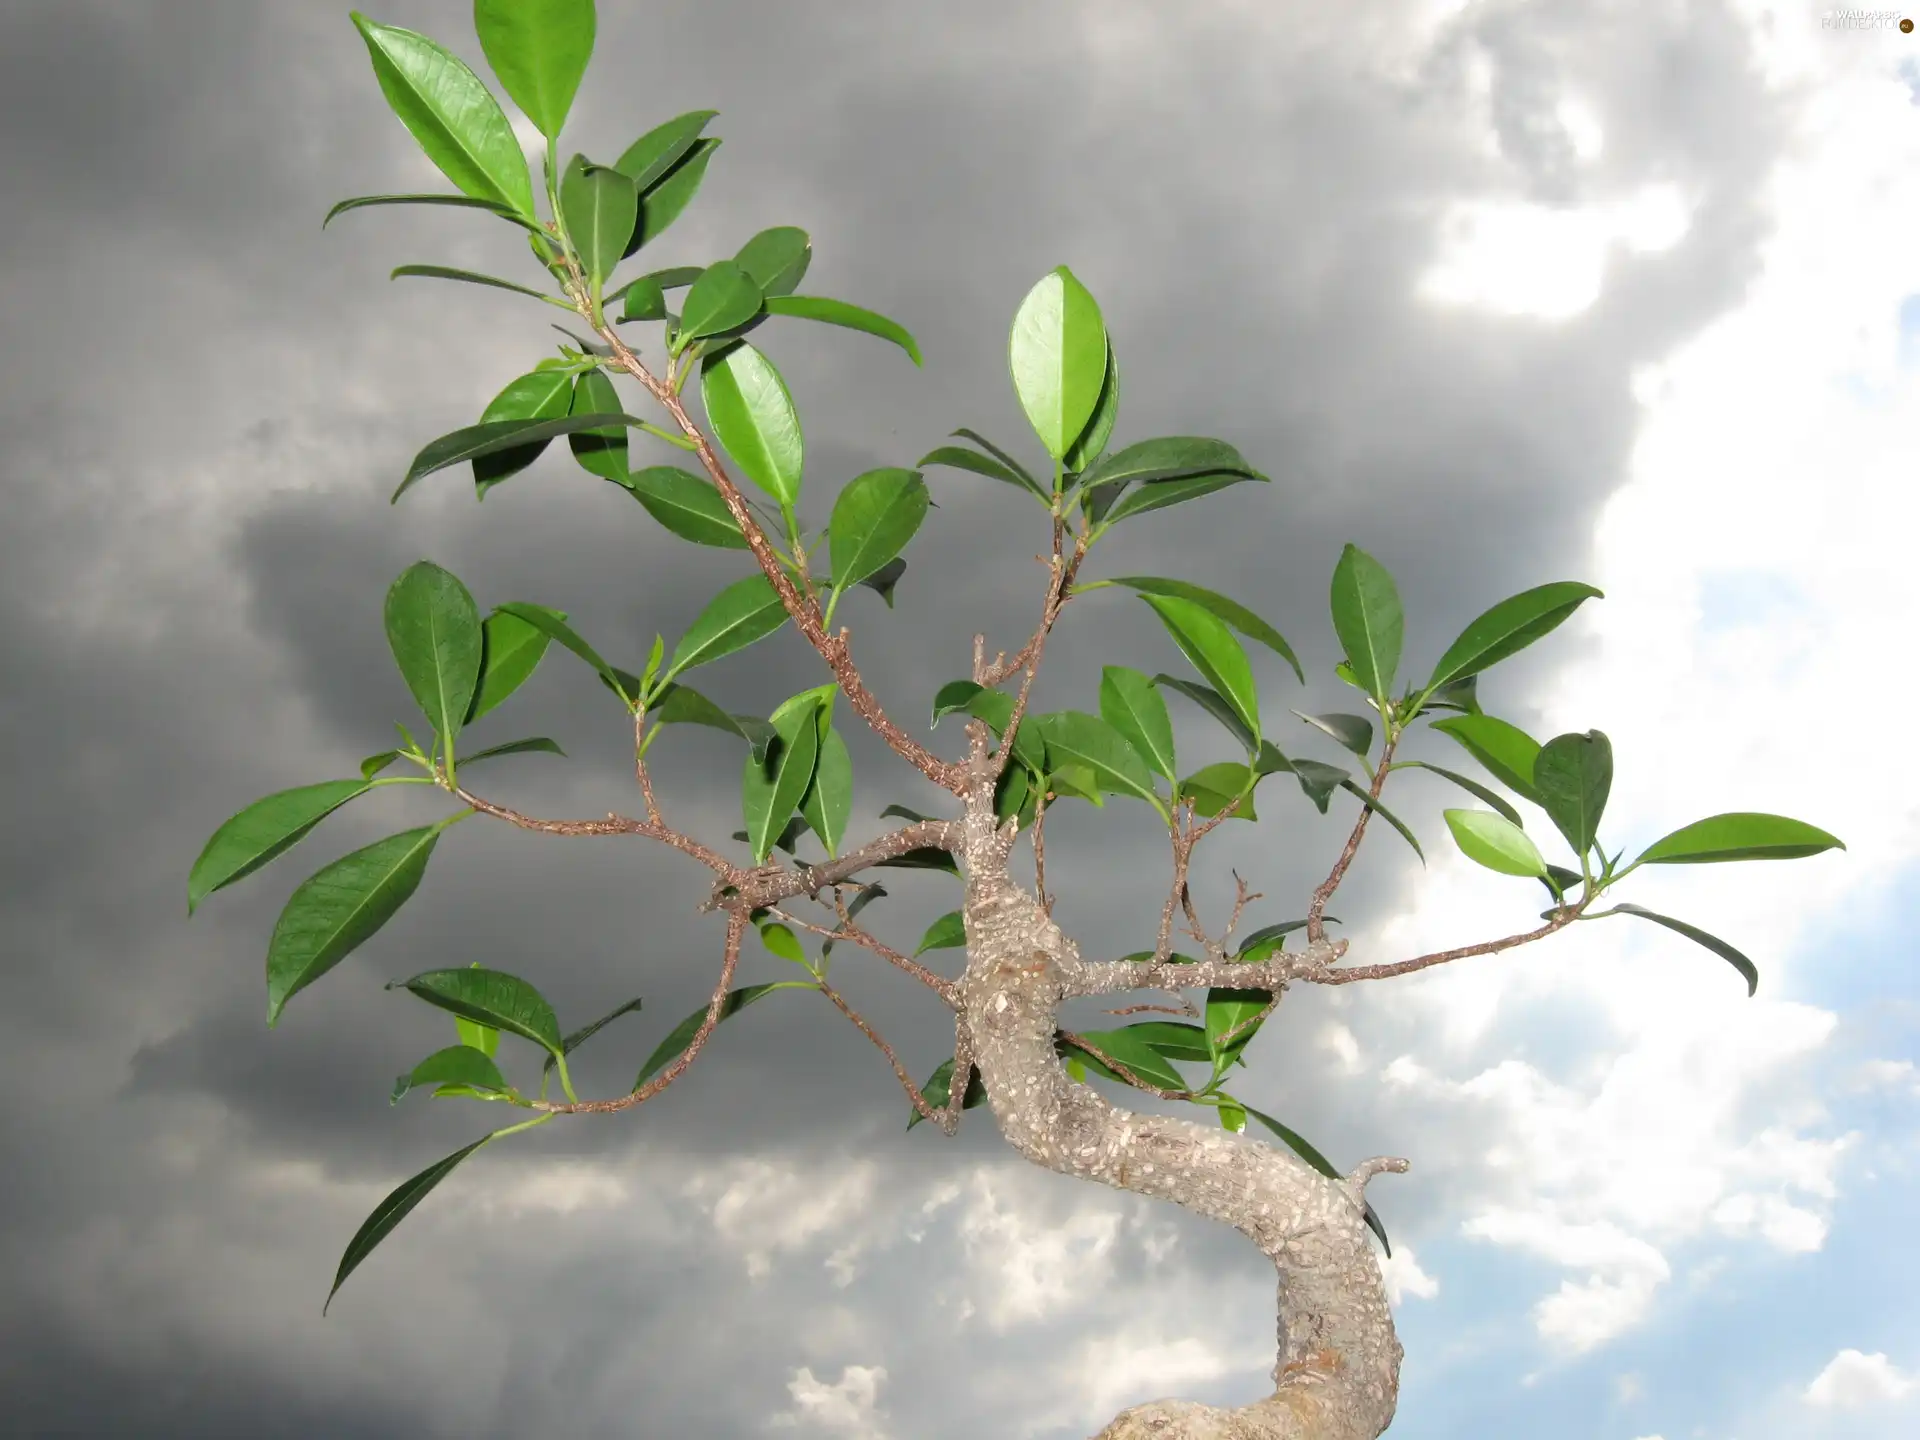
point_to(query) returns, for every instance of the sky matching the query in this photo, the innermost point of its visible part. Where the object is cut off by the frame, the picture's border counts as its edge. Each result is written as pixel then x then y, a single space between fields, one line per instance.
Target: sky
pixel 1504 293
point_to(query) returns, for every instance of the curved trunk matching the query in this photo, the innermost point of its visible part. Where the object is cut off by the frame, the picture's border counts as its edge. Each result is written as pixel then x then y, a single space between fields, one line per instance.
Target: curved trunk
pixel 1337 1372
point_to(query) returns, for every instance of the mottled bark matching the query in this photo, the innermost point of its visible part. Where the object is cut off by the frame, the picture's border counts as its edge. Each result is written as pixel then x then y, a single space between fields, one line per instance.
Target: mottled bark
pixel 1336 1376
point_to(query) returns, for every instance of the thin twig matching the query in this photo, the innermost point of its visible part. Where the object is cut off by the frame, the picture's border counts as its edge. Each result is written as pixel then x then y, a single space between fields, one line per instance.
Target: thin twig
pixel 1316 928
pixel 927 1112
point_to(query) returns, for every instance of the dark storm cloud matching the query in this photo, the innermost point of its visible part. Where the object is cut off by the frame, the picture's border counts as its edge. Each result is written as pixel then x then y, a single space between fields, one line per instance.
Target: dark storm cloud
pixel 207 402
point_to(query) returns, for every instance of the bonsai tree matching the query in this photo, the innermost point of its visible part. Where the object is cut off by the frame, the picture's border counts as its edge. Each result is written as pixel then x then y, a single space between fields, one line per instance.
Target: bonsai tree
pixel 739 488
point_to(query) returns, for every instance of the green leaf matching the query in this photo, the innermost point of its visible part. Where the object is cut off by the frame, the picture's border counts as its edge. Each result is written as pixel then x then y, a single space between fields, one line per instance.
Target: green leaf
pixel 370 767
pixel 847 317
pixel 1461 695
pixel 1172 1039
pixel 483 1038
pixel 1227 1010
pixel 1232 1116
pixel 1507 752
pixel 433 629
pixel 671 1048
pixel 1700 937
pixel 455 1065
pixel 949 932
pixel 780 941
pixel 539 49
pixel 1740 835
pixel 1263 942
pixel 492 998
pixel 1231 611
pixel 601 451
pixel 677 704
pixel 959 457
pixel 391 1211
pixel 777 259
pixel 339 908
pixel 649 158
pixel 663 200
pixel 265 829
pixel 874 518
pixel 687 505
pixel 586 1032
pixel 1573 774
pixel 539 744
pixel 600 207
pixel 927 857
pixel 1058 355
pixel 469 277
pixel 769 798
pixel 746 611
pixel 458 123
pixel 1158 494
pixel 1559 880
pixel 1494 842
pixel 1131 1051
pixel 1005 459
pixel 939 1089
pixel 510 651
pixel 1093 440
pixel 752 414
pixel 1215 704
pixel 1211 787
pixel 537 395
pixel 1354 732
pixel 883 580
pixel 902 812
pixel 493 436
pixel 1368 620
pixel 1298 1144
pixel 1076 738
pixel 1508 627
pixel 1318 781
pixel 551 624
pixel 725 296
pixel 464 202
pixel 1385 814
pixel 1169 457
pixel 828 802
pixel 1472 787
pixel 1130 704
pixel 1210 646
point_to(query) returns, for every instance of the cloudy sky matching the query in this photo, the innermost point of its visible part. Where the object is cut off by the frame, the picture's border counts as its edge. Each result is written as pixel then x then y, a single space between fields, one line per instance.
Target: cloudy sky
pixel 1504 293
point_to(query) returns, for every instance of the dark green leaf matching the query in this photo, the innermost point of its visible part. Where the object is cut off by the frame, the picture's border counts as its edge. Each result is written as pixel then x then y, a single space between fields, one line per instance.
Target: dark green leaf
pixel 902 812
pixel 662 201
pixel 1169 457
pixel 1211 701
pixel 539 744
pixel 469 277
pixel 1146 1063
pixel 1075 738
pixel 1573 774
pixel 883 580
pixel 661 148
pixel 1507 752
pixel 960 458
pixel 939 1089
pixel 1298 1144
pixel 492 436
pixel 1158 494
pixel 777 259
pixel 847 317
pixel 1172 1039
pixel 538 395
pixel 1354 732
pixel 1318 781
pixel 391 1211
pixel 369 767
pixel 492 998
pixel 1269 938
pixel 687 505
pixel 455 1065
pixel 586 1032
pixel 1700 937
pixel 725 296
pixel 458 123
pixel 927 857
pixel 1213 651
pixel 1227 1011
pixel 1058 354
pixel 768 799
pixel 1368 619
pixel 601 208
pixel 874 518
pixel 1472 787
pixel 549 623
pixel 1461 695
pixel 339 908
pixel 1093 440
pixel 1739 835
pixel 1510 626
pixel 1498 844
pixel 949 932
pixel 1130 704
pixel 828 802
pixel 678 704
pixel 1385 814
pixel 1231 611
pixel 263 830
pixel 671 1048
pixel 746 611
pixel 752 414
pixel 601 451
pixel 539 49
pixel 465 202
pixel 433 628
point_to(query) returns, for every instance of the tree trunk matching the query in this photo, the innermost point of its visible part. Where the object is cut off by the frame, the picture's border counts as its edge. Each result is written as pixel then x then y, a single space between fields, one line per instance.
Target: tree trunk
pixel 1336 1376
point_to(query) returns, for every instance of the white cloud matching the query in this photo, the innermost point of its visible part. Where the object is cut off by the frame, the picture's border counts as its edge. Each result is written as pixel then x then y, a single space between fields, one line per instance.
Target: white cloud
pixel 1109 1372
pixel 1852 1381
pixel 849 1407
pixel 1030 1265
pixel 1405 1278
pixel 761 1208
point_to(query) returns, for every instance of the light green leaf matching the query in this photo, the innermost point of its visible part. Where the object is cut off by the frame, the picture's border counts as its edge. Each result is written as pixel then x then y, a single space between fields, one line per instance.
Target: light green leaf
pixel 1368 619
pixel 847 317
pixel 1211 787
pixel 1142 1059
pixel 828 802
pixel 1093 440
pixel 687 505
pixel 1075 738
pixel 1058 355
pixel 874 518
pixel 1507 752
pixel 1130 704
pixel 370 767
pixel 455 1065
pixel 1573 774
pixel 1227 1010
pixel 671 1048
pixel 752 414
pixel 1172 1039
pixel 1700 937
pixel 1210 646
pixel 433 629
pixel 949 932
pixel 601 208
pixel 1495 842
pixel 492 998
pixel 539 49
pixel 1509 627
pixel 391 1211
pixel 265 829
pixel 1231 611
pixel 339 908
pixel 782 942
pixel 649 158
pixel 746 611
pixel 1739 835
pixel 549 623
pixel 777 259
pixel 724 297
pixel 770 793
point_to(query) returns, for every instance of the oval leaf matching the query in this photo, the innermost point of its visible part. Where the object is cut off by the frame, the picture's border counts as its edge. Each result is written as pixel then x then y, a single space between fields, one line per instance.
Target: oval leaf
pixel 650 157
pixel 1058 355
pixel 723 297
pixel 949 932
pixel 492 998
pixel 539 49
pixel 458 123
pixel 1212 788
pixel 1508 627
pixel 602 450
pixel 1739 835
pixel 828 803
pixel 1074 738
pixel 663 200
pixel 601 208
pixel 1368 620
pixel 1573 774
pixel 340 907
pixel 746 611
pixel 1231 611
pixel 1700 937
pixel 1213 651
pixel 538 395
pixel 1106 410
pixel 874 518
pixel 687 505
pixel 1495 842
pixel 510 651
pixel 1354 732
pixel 1169 457
pixel 456 1065
pixel 752 414
pixel 770 793
pixel 433 628
pixel 1130 1050
pixel 777 259
pixel 263 830
pixel 1508 752
pixel 847 317
pixel 1130 704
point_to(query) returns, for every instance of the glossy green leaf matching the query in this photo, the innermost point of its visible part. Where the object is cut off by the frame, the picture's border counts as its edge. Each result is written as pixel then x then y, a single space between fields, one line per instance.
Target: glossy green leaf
pixel 752 414
pixel 1171 1039
pixel 671 1048
pixel 552 624
pixel 1146 1063
pixel 1159 494
pixel 874 518
pixel 1169 457
pixel 828 802
pixel 492 998
pixel 391 1211
pixel 337 909
pixel 663 200
pixel 464 202
pixel 600 451
pixel 959 457
pixel 1507 752
pixel 949 932
pixel 641 299
pixel 370 767
pixel 939 1089
pixel 725 296
pixel 847 317
pixel 539 49
pixel 1406 832
pixel 1700 937
pixel 781 941
pixel 650 157
pixel 433 629
pixel 455 1065
pixel 903 812
pixel 510 651
pixel 687 505
pixel 1740 835
pixel 1075 738
pixel 1508 627
pixel 1472 787
pixel 963 433
pixel 1212 787
pixel 677 704
pixel 1368 620
pixel 537 745
pixel 458 123
pixel 777 259
pixel 746 611
pixel 263 830
pixel 1232 1116
pixel 883 581
pixel 1227 1010
pixel 493 436
pixel 1495 842
pixel 1297 1143
pixel 1559 880
pixel 1318 781
pixel 1460 695
pixel 771 793
pixel 1354 732
pixel 601 208
pixel 1212 650
pixel 1106 410
pixel 1215 704
pixel 1231 611
pixel 538 395
pixel 1262 943
pixel 1130 704
pixel 1573 774
pixel 586 1032
pixel 1058 354
pixel 469 277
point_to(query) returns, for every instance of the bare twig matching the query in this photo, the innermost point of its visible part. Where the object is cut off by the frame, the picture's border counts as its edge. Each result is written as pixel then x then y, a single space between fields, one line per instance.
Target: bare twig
pixel 927 1112
pixel 1317 908
pixel 612 825
pixel 853 934
pixel 773 883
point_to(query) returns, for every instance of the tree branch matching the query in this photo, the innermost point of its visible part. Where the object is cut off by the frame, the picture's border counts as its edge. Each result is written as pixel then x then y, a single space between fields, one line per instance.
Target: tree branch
pixel 852 933
pixel 927 1112
pixel 769 885
pixel 1316 928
